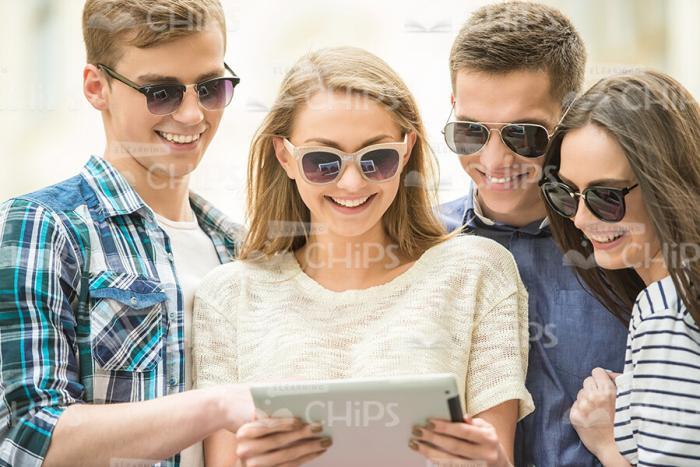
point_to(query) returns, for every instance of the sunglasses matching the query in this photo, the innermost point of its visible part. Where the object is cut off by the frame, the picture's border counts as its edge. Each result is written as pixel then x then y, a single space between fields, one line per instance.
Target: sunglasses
pixel 524 139
pixel 605 203
pixel 165 99
pixel 321 165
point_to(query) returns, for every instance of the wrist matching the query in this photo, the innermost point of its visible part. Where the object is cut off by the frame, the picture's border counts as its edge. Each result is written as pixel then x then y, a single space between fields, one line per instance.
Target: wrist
pixel 609 456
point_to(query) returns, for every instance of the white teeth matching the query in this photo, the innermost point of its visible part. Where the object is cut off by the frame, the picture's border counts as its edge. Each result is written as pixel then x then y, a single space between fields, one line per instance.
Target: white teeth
pixel 180 139
pixel 605 238
pixel 503 179
pixel 350 203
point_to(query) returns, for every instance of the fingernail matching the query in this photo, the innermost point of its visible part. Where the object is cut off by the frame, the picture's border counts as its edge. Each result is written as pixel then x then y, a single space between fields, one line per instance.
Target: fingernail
pixel 325 442
pixel 316 428
pixel 413 445
pixel 430 426
pixel 417 431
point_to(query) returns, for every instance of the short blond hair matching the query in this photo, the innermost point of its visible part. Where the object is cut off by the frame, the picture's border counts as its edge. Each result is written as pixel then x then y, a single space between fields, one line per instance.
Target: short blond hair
pixel 513 36
pixel 108 24
pixel 279 219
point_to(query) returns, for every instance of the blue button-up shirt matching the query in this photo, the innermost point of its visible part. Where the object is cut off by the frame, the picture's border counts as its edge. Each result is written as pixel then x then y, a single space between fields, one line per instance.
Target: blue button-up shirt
pixel 90 306
pixel 570 334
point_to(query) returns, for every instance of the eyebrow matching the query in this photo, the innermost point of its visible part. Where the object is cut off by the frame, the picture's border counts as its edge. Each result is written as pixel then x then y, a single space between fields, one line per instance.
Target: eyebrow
pixel 333 144
pixel 155 78
pixel 611 182
pixel 537 121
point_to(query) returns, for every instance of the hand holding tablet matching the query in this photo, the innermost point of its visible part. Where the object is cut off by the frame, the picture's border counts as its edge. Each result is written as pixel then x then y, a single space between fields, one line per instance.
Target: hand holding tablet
pixel 369 420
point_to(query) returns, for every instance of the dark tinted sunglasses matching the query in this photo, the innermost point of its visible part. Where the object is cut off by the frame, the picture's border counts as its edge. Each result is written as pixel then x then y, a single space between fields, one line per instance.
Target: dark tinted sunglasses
pixel 321 164
pixel 605 203
pixel 164 99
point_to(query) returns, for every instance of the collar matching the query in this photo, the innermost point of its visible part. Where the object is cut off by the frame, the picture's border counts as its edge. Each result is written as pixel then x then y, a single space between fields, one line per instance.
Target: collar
pixel 117 198
pixel 474 217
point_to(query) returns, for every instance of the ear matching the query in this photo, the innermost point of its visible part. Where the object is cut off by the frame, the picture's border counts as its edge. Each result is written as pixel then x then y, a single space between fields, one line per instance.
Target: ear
pixel 283 157
pixel 95 87
pixel 410 142
pixel 452 99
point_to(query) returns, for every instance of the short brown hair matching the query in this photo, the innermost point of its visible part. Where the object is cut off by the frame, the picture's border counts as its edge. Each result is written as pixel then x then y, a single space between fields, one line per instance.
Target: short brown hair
pixel 514 36
pixel 143 23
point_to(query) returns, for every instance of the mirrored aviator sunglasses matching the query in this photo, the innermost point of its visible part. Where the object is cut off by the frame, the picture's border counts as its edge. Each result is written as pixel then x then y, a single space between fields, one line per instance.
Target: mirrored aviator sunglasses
pixel 525 139
pixel 605 203
pixel 321 165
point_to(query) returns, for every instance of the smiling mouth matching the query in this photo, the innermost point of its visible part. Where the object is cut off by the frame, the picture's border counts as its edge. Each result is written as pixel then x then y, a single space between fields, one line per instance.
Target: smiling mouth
pixel 177 138
pixel 350 203
pixel 502 180
pixel 605 237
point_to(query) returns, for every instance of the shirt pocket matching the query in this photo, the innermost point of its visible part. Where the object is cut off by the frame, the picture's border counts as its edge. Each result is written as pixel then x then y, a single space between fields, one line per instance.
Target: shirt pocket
pixel 128 324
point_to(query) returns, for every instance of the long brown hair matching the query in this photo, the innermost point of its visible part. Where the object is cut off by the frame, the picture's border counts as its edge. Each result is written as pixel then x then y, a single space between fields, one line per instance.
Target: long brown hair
pixel 279 219
pixel 656 121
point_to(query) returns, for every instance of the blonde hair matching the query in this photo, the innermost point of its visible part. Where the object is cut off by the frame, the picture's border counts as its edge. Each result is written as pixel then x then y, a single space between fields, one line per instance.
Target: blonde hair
pixel 107 24
pixel 512 36
pixel 279 219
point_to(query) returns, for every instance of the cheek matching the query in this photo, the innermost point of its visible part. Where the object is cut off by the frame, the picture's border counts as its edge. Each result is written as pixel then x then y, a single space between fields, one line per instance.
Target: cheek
pixel 470 164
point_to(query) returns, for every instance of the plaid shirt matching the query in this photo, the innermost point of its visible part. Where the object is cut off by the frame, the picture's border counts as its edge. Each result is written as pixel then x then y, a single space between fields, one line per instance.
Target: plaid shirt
pixel 111 331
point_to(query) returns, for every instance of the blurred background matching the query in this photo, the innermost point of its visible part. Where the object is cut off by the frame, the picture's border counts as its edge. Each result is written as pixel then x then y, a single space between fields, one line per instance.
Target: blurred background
pixel 49 130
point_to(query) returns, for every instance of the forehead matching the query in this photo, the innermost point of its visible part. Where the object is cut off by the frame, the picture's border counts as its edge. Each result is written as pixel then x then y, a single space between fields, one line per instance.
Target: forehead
pixel 505 97
pixel 592 153
pixel 202 52
pixel 342 116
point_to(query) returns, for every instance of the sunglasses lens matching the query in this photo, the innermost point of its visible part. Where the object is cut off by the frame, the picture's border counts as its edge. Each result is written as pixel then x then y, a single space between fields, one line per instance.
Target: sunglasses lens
pixel 321 167
pixel 525 140
pixel 163 100
pixel 465 138
pixel 380 164
pixel 607 204
pixel 559 198
pixel 216 93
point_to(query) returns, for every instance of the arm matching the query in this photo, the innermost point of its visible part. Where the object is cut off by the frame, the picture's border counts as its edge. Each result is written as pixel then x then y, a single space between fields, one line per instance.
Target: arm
pixel 44 416
pixel 151 430
pixel 495 384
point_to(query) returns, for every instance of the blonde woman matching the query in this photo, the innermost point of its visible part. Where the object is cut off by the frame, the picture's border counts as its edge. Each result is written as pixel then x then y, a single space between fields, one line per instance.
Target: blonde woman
pixel 346 272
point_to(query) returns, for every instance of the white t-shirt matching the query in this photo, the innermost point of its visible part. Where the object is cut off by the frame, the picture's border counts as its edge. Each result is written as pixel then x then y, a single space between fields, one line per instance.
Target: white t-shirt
pixel 195 256
pixel 461 308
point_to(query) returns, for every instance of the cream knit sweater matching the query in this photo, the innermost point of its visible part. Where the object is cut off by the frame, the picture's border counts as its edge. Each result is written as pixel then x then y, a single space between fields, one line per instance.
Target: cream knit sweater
pixel 461 308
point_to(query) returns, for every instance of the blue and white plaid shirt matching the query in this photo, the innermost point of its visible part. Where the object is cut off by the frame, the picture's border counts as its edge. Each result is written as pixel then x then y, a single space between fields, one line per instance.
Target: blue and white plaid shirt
pixel 111 331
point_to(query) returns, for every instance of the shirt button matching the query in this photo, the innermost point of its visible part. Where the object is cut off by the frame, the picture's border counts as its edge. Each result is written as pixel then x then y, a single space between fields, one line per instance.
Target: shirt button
pixel 172 315
pixel 171 257
pixel 133 301
pixel 172 382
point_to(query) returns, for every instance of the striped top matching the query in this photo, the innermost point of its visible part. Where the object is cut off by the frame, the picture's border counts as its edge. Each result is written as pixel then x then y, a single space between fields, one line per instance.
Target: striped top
pixel 657 420
pixel 91 309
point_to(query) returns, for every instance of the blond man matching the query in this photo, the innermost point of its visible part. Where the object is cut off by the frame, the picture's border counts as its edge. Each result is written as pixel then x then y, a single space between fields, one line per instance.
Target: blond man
pixel 98 272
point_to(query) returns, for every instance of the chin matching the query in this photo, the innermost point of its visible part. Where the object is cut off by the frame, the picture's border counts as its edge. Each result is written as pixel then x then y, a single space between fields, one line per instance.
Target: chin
pixel 609 261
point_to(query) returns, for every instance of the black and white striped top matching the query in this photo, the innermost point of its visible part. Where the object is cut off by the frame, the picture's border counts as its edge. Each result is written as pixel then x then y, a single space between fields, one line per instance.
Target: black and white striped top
pixel 657 420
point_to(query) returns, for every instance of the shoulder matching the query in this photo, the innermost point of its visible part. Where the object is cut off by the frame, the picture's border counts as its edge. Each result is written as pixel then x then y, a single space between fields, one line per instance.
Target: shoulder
pixel 476 264
pixel 473 250
pixel 223 284
pixel 452 213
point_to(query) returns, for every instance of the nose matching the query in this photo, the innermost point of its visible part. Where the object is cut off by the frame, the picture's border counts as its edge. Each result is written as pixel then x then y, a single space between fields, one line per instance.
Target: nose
pixel 189 113
pixel 583 216
pixel 495 155
pixel 351 179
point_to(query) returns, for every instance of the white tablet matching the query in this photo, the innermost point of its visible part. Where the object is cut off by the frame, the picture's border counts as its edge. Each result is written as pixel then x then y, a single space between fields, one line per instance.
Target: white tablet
pixel 369 419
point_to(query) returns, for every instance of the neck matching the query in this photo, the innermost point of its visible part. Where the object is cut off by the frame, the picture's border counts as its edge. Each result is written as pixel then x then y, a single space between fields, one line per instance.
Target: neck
pixel 342 263
pixel 653 270
pixel 165 195
pixel 526 214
